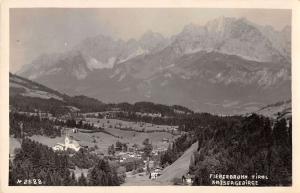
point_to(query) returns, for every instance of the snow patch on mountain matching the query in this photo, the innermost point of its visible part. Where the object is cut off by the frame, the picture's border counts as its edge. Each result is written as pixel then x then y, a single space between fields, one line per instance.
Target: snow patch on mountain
pixel 115 73
pixel 80 72
pixel 93 63
pixel 36 75
pixel 123 75
pixel 138 52
pixel 53 71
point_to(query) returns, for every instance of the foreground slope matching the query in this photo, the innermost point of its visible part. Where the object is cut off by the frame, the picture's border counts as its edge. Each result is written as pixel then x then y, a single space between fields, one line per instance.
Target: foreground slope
pixel 277 110
pixel 179 168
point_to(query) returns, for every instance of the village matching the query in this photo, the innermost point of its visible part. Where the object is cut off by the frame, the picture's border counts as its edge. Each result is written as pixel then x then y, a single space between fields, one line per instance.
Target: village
pixel 122 142
pixel 120 153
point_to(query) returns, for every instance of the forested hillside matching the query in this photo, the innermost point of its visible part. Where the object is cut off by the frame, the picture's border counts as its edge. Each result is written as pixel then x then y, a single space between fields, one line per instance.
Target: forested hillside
pixel 252 146
pixel 37 164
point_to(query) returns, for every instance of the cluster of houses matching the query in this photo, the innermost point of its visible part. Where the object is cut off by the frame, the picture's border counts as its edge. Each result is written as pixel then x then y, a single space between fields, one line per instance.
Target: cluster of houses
pixel 124 156
pixel 188 179
pixel 38 113
pixel 149 114
pixel 158 150
pixel 155 173
pixel 109 114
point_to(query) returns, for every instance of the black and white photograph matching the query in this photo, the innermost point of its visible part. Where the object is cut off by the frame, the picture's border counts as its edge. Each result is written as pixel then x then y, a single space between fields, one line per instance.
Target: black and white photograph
pixel 150 97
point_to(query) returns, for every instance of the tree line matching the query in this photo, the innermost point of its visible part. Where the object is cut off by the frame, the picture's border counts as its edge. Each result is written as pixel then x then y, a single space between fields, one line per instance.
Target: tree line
pixel 36 125
pixel 31 125
pixel 186 122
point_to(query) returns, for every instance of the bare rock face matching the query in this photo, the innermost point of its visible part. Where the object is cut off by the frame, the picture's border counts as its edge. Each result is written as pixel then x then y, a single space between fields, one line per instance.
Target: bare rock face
pixel 235 37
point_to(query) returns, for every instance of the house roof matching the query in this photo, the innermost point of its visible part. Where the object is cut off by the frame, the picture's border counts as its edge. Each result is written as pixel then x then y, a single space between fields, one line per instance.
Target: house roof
pixel 60 144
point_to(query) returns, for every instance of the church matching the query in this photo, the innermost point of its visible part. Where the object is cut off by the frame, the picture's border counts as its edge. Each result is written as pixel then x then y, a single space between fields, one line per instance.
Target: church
pixel 69 144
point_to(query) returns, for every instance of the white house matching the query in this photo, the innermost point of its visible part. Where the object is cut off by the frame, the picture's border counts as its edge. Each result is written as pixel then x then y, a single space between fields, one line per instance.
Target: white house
pixel 154 174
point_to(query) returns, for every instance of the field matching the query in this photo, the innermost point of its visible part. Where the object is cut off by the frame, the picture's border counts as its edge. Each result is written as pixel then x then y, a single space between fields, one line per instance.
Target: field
pixel 13 144
pixel 103 140
pixel 139 126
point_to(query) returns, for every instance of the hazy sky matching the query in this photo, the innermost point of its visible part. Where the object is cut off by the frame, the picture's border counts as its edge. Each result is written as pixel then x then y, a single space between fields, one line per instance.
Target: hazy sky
pixel 34 31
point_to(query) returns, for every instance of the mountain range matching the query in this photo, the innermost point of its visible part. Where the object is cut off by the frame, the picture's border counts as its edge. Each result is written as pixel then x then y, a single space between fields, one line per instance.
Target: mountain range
pixel 228 66
pixel 27 95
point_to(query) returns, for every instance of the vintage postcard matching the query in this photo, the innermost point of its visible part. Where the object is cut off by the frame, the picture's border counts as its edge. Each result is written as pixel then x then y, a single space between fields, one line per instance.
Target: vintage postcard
pixel 151 95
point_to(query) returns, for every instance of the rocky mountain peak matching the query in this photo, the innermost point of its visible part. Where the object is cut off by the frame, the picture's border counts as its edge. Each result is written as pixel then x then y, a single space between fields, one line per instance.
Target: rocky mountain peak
pixel 153 41
pixel 206 64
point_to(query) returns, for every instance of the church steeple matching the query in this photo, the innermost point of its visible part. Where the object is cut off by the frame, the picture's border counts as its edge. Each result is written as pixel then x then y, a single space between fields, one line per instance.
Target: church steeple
pixel 67 140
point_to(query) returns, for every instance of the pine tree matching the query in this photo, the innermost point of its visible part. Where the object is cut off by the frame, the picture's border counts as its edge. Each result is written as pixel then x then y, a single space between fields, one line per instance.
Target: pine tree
pixel 280 132
pixel 102 175
pixel 82 181
pixel 73 179
pixel 67 181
